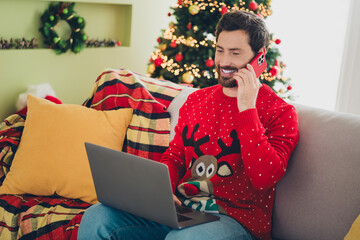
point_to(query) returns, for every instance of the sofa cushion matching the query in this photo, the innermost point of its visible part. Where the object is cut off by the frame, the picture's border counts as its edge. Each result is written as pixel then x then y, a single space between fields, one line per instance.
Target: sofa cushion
pixel 319 197
pixel 51 157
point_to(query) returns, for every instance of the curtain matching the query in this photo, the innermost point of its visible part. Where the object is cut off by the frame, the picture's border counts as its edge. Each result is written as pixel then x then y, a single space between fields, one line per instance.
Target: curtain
pixel 348 95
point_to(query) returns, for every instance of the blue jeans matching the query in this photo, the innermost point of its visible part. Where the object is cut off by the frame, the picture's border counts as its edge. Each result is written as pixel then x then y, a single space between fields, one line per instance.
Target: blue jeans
pixel 103 222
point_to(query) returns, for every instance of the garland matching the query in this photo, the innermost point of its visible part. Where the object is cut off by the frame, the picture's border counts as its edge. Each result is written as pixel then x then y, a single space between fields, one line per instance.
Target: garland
pixel 52 16
pixel 18 43
pixel 23 43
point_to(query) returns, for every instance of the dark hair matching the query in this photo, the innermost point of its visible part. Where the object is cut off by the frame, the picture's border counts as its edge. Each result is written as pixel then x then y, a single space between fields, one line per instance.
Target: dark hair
pixel 241 20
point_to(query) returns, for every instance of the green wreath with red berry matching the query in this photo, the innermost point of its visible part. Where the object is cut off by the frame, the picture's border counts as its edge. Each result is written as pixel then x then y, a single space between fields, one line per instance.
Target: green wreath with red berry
pixel 52 16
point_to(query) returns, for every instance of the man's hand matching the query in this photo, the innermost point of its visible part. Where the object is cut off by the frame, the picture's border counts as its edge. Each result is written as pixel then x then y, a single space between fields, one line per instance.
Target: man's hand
pixel 176 200
pixel 248 88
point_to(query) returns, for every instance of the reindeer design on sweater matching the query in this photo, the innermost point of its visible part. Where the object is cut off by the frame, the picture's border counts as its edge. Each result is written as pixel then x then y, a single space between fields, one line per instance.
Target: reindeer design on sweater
pixel 198 190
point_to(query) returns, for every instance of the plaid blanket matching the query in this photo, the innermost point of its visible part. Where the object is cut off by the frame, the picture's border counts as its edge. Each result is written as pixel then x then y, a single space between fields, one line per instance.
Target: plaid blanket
pixel 36 217
pixel 149 130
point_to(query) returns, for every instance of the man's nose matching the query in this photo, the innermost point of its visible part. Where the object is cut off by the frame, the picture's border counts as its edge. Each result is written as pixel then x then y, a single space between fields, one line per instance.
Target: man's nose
pixel 225 60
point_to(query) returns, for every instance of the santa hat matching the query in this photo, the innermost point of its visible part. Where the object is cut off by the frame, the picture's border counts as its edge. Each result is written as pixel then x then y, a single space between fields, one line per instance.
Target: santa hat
pixel 43 90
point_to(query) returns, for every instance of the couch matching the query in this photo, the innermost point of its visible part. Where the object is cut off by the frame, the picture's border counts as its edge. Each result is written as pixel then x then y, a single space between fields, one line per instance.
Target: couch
pixel 318 198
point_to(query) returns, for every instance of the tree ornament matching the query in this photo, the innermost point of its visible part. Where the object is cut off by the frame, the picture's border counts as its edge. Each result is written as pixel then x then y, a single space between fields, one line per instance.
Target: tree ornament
pixel 169 14
pixel 188 77
pixel 274 71
pixel 209 36
pixel 189 26
pixel 224 10
pixel 171 24
pixel 173 44
pixel 65 12
pixel 289 87
pixel 158 61
pixel 162 47
pixel 277 41
pixel 282 91
pixel 253 6
pixel 118 43
pixel 179 57
pixel 180 2
pixel 194 9
pixel 151 68
pixel 209 63
pixel 158 40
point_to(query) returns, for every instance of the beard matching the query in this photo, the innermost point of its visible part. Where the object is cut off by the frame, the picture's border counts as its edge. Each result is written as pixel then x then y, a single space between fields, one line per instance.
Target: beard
pixel 228 82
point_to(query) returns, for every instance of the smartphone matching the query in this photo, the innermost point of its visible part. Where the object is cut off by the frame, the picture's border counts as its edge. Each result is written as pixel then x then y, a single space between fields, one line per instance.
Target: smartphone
pixel 259 64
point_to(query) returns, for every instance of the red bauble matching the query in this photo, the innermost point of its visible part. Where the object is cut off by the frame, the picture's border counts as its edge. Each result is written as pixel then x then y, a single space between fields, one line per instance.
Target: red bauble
pixel 278 41
pixel 224 10
pixel 274 71
pixel 179 57
pixel 118 43
pixel 189 26
pixel 158 62
pixel 209 62
pixel 276 63
pixel 289 87
pixel 180 2
pixel 158 40
pixel 169 14
pixel 173 44
pixel 253 6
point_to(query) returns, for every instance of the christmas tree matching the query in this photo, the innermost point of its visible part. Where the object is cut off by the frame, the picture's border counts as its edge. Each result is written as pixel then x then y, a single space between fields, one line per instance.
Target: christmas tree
pixel 186 49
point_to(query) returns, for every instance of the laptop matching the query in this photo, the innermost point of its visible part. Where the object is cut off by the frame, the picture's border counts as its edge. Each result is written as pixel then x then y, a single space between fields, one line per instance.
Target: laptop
pixel 139 186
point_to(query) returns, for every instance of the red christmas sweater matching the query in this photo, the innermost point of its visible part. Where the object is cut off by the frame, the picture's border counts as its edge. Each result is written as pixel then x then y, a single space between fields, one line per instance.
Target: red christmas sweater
pixel 225 161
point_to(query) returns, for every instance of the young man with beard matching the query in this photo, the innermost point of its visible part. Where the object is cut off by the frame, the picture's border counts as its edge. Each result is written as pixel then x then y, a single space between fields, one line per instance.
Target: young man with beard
pixel 231 147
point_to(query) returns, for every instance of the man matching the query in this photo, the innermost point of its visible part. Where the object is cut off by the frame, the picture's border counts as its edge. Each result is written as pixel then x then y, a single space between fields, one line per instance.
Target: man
pixel 231 147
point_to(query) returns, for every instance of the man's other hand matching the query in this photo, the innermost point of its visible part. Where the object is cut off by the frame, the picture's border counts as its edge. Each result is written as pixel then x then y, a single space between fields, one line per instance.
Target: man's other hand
pixel 176 200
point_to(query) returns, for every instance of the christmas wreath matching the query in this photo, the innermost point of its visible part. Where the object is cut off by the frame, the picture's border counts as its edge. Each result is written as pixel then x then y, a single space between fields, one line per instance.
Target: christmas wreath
pixel 52 16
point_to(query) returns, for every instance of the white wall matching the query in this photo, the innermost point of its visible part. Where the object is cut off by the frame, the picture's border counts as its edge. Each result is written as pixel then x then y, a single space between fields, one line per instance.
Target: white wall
pixel 150 16
pixel 312 34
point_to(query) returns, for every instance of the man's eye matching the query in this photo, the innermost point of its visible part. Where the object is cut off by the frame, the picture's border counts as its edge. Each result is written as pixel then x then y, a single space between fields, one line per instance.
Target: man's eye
pixel 219 50
pixel 236 53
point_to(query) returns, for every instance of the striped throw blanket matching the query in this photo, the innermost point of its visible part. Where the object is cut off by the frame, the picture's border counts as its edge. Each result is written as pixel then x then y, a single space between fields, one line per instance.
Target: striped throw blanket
pixel 38 217
pixel 149 130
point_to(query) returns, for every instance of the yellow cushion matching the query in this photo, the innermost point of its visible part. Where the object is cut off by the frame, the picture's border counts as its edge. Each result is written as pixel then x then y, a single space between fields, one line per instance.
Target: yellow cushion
pixel 51 157
pixel 354 233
